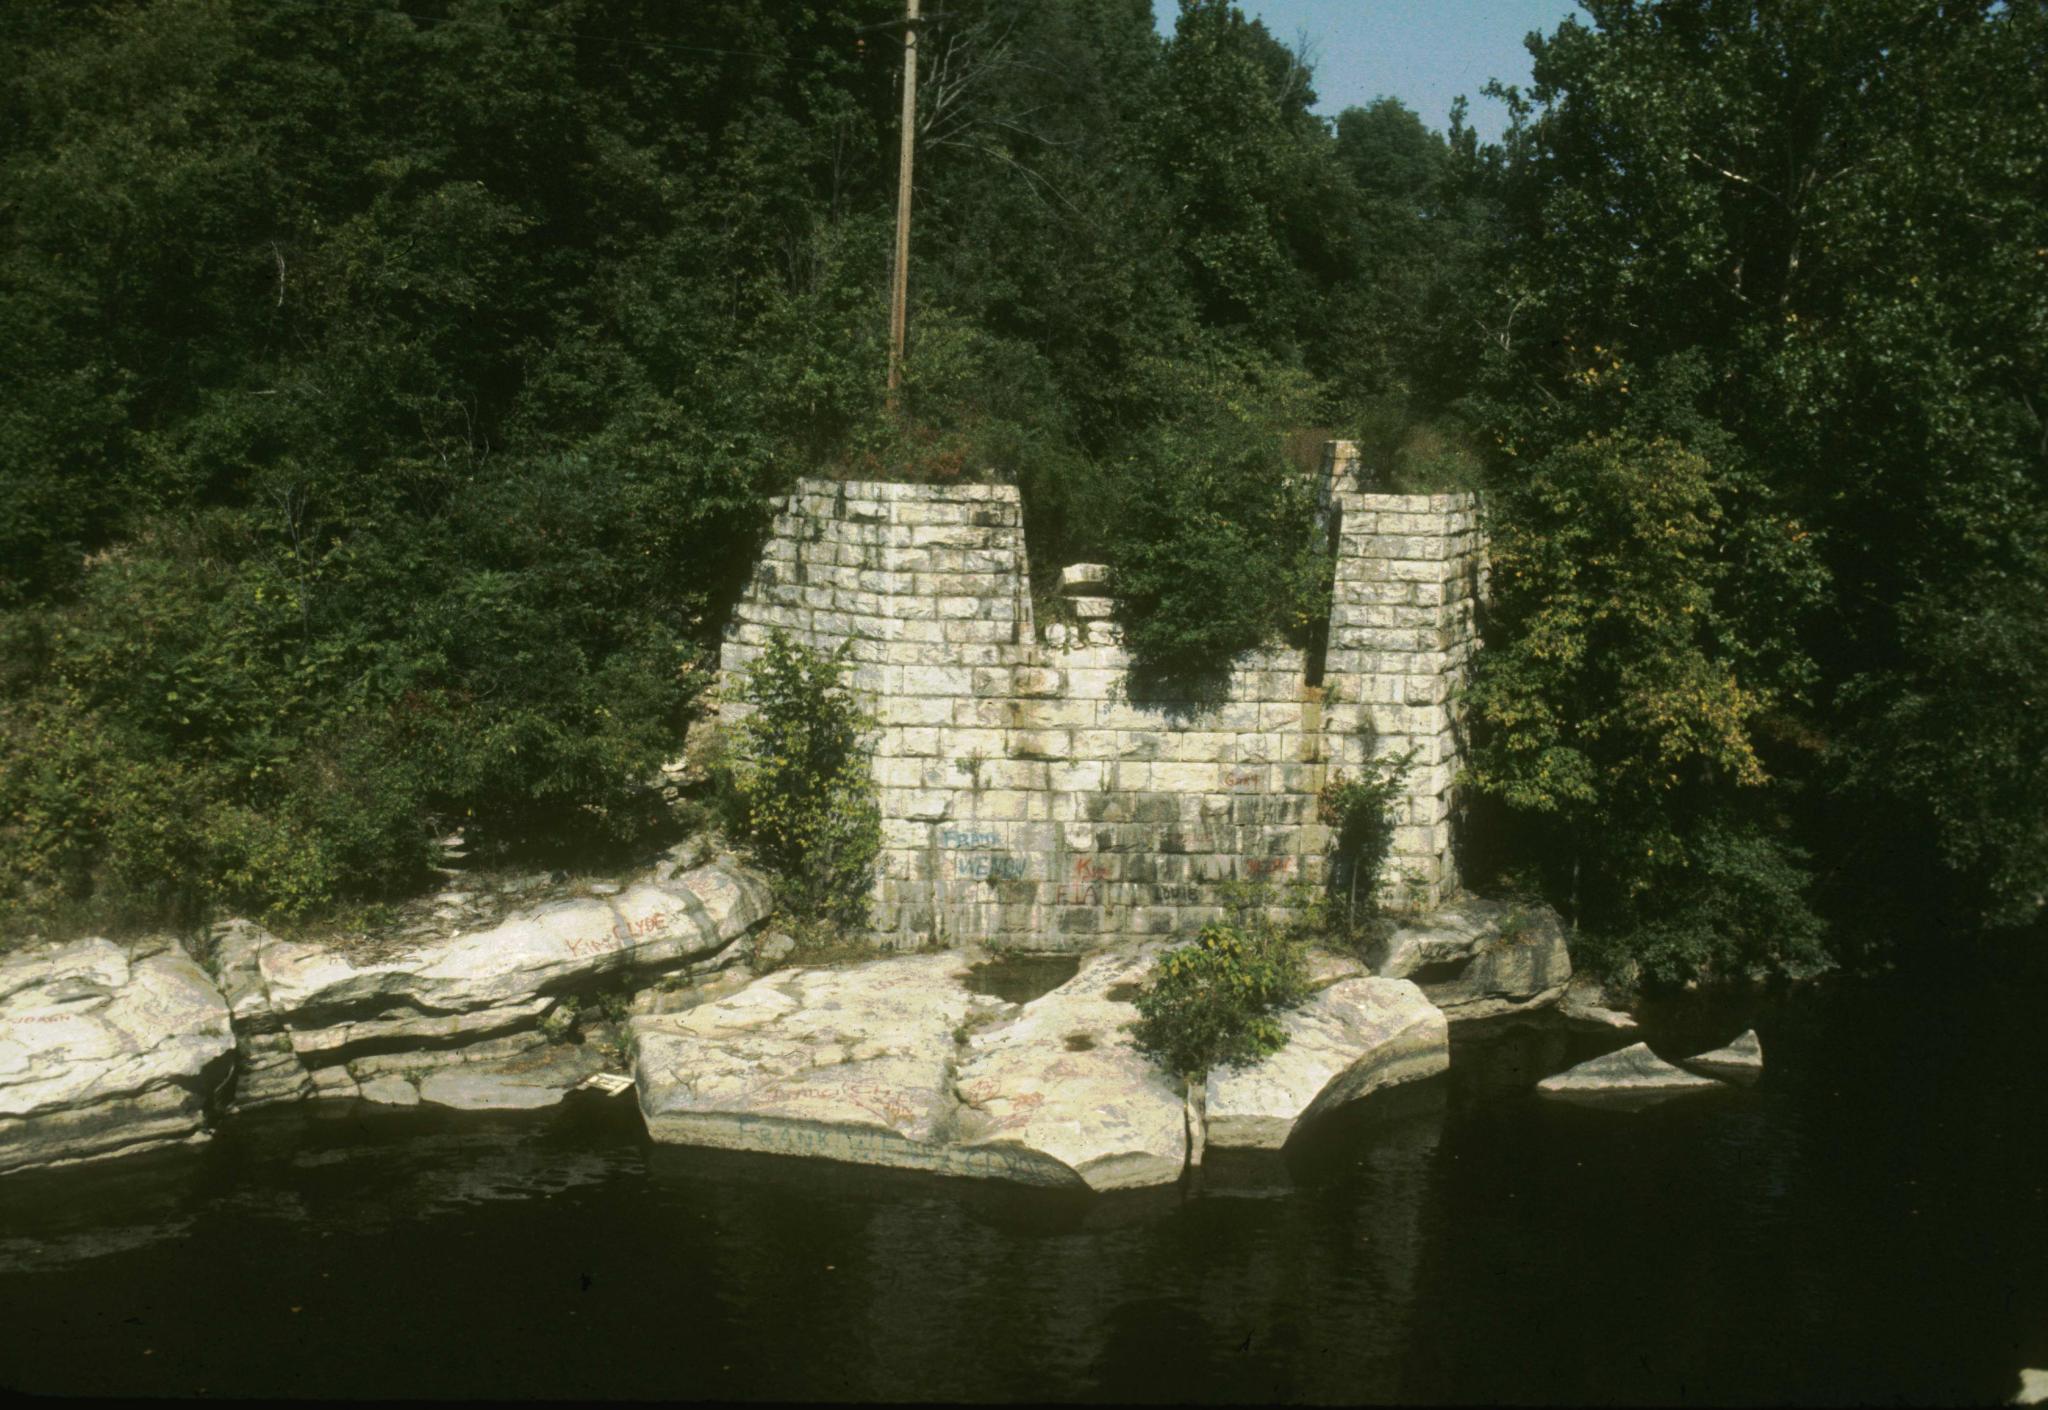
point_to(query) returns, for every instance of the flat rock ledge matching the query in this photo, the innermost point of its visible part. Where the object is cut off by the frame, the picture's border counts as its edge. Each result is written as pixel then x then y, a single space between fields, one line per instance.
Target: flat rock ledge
pixel 895 1062
pixel 848 1064
pixel 311 1021
pixel 1741 1061
pixel 1478 958
pixel 105 1049
pixel 1348 1040
pixel 1632 1073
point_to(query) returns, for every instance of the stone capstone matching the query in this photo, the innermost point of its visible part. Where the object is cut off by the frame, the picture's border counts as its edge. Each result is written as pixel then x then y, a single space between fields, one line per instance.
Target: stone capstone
pixel 1479 959
pixel 316 1020
pixel 1084 579
pixel 105 1048
pixel 1632 1072
pixel 1742 1060
pixel 1349 1039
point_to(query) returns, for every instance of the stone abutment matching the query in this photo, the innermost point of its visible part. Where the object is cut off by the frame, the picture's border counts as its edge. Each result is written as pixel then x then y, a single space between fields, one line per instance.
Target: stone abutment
pixel 1028 801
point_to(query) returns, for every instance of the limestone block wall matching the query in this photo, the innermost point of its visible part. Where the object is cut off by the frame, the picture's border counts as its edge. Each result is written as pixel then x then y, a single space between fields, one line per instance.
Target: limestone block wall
pixel 1410 571
pixel 1028 802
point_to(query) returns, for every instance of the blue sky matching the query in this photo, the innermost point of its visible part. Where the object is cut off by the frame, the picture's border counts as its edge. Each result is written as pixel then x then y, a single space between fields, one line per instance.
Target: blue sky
pixel 1424 52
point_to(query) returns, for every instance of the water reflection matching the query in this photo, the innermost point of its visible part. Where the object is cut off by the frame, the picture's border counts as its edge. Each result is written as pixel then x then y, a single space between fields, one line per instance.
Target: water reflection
pixel 1865 1224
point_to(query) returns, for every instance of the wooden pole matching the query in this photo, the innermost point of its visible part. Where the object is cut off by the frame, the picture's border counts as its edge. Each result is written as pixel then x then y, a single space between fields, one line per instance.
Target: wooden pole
pixel 899 284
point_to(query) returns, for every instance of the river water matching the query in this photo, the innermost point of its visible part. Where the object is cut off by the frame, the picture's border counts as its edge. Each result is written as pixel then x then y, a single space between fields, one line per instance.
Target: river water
pixel 1868 1225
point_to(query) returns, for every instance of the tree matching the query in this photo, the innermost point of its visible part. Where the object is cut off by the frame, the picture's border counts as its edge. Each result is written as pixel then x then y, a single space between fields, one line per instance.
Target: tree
pixel 1609 708
pixel 1803 241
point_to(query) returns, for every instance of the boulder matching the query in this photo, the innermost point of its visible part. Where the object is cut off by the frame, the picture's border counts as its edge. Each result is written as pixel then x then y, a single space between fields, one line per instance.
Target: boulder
pixel 849 1064
pixel 1634 1072
pixel 1326 967
pixel 105 1049
pixel 1741 1061
pixel 1585 1001
pixel 1084 579
pixel 1479 959
pixel 1347 1040
pixel 1062 1093
pixel 308 1015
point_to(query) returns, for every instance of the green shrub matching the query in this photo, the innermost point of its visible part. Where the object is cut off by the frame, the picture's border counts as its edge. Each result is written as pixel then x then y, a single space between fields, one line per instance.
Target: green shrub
pixel 1210 534
pixel 1213 1002
pixel 1359 812
pixel 1735 911
pixel 802 793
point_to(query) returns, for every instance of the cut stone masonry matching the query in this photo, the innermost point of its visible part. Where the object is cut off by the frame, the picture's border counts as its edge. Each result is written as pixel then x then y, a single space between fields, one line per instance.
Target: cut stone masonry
pixel 1028 802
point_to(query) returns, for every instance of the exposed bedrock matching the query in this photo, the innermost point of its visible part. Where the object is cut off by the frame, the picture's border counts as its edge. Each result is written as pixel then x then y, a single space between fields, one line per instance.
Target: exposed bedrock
pixel 1062 1081
pixel 1348 1040
pixel 1479 959
pixel 1632 1076
pixel 106 1048
pixel 1741 1061
pixel 897 1062
pixel 312 1020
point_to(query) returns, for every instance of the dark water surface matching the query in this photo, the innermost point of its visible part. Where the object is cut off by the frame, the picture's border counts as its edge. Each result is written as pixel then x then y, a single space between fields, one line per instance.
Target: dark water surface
pixel 1869 1225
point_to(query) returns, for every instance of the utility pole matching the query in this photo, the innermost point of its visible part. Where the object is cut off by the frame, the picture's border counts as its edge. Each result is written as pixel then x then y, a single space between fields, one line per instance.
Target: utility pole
pixel 899 285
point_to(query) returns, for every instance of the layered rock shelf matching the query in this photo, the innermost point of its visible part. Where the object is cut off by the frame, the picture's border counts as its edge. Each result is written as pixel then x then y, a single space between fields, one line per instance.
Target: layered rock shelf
pixel 110 1048
pixel 898 1060
pixel 310 1019
pixel 106 1049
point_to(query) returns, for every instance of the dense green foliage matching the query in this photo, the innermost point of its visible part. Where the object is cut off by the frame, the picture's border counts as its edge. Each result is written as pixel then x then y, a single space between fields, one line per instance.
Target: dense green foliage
pixel 799 776
pixel 1622 710
pixel 1766 356
pixel 1211 540
pixel 1213 1003
pixel 395 396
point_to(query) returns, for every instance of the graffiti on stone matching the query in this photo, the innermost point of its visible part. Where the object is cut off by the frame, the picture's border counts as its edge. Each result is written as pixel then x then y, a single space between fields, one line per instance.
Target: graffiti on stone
pixel 989 866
